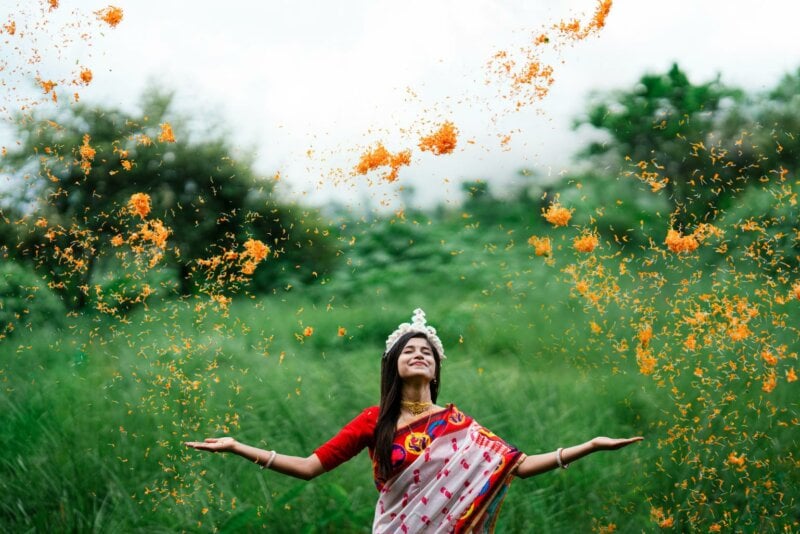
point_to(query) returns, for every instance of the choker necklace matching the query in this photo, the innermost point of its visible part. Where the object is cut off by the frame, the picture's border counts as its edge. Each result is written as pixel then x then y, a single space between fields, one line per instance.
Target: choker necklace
pixel 414 407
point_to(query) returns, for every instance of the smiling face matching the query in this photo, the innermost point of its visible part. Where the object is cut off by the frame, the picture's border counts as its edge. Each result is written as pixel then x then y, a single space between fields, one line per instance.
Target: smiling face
pixel 416 361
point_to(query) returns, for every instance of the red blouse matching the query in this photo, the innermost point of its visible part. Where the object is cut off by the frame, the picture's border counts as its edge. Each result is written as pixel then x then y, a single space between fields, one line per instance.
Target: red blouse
pixel 409 441
pixel 350 440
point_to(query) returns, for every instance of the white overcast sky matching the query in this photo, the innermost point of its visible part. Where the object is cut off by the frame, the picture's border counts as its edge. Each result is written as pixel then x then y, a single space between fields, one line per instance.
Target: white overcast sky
pixel 310 84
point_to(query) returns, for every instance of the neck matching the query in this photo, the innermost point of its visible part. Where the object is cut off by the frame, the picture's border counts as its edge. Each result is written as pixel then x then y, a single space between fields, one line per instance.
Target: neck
pixel 416 392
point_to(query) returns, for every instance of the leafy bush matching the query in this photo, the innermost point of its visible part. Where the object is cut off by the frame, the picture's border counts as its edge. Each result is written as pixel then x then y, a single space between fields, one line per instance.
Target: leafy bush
pixel 121 290
pixel 25 301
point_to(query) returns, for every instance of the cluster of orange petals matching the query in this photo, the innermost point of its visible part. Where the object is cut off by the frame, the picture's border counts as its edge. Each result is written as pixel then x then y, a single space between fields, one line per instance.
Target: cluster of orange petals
pixel 538 75
pixel 646 360
pixel 690 342
pixel 111 15
pixel 341 332
pixel 221 300
pixel 534 76
pixel 86 76
pixel 540 39
pixel 541 245
pixel 585 243
pixel 139 204
pixel 308 331
pixel 737 461
pixel 663 521
pixel 380 157
pixel 644 355
pixel 739 332
pixel 123 158
pixel 150 237
pixel 557 215
pixel 600 16
pixel 769 358
pixel 87 154
pixel 679 243
pixel 574 29
pixel 791 376
pixel 154 232
pixel 166 135
pixel 255 251
pixel 770 381
pixel 442 141
pixel 47 85
pixel 645 335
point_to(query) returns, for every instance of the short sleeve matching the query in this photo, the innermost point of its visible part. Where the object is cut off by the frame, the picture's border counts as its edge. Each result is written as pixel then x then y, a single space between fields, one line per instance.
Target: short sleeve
pixel 350 440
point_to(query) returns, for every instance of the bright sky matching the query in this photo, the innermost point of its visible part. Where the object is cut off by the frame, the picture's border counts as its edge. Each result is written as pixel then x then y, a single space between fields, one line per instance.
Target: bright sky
pixel 309 85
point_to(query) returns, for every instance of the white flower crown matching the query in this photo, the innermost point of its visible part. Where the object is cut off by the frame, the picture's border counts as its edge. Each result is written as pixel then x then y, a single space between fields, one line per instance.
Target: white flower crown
pixel 417 325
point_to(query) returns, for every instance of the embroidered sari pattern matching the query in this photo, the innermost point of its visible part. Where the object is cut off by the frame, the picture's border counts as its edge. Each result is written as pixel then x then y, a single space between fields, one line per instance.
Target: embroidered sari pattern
pixel 450 475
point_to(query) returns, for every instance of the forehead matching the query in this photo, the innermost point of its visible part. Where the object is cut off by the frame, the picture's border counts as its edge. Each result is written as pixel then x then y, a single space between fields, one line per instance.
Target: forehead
pixel 417 342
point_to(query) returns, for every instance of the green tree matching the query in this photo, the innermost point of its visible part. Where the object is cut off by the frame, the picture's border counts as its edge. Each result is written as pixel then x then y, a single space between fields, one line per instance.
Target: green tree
pixel 77 171
pixel 778 115
pixel 666 130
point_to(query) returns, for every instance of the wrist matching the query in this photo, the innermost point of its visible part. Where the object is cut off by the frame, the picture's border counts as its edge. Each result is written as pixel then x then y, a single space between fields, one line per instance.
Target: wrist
pixel 560 458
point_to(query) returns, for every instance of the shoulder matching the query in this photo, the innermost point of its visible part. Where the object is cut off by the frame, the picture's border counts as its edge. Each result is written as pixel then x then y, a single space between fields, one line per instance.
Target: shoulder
pixel 452 408
pixel 368 416
pixel 370 412
pixel 454 414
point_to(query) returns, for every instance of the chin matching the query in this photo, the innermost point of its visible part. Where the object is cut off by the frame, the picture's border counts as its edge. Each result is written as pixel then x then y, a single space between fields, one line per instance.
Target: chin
pixel 417 373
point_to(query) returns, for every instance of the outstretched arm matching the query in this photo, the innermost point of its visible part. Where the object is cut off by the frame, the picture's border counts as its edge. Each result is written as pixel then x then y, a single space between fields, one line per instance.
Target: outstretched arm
pixel 540 463
pixel 296 466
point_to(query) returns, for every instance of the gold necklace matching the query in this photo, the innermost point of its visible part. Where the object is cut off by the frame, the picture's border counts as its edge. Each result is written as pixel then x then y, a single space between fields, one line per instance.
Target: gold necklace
pixel 416 408
pixel 417 442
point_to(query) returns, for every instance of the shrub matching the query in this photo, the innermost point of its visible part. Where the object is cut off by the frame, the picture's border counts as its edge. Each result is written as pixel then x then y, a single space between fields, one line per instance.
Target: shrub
pixel 25 301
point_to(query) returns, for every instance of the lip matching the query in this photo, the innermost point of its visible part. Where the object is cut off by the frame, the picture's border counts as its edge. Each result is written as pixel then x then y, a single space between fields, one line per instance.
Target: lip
pixel 419 363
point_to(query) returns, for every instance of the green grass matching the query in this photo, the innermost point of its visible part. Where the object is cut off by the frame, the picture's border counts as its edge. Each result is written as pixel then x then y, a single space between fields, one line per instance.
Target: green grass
pixel 90 437
pixel 81 446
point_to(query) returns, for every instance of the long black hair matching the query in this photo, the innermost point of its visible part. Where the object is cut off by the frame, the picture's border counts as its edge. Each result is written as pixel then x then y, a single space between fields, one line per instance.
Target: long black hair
pixel 391 393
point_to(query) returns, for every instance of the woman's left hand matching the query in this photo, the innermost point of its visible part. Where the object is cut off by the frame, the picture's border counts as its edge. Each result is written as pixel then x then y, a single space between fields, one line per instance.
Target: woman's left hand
pixel 612 444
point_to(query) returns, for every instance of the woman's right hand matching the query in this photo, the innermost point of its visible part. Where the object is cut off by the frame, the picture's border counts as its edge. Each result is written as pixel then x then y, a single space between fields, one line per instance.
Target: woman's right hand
pixel 225 444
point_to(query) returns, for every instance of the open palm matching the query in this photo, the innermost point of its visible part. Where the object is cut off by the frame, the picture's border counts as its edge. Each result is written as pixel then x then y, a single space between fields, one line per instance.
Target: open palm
pixel 212 444
pixel 611 444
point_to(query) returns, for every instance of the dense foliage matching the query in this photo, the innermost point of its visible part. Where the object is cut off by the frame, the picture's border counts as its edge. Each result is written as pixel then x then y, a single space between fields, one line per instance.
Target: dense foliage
pixel 653 290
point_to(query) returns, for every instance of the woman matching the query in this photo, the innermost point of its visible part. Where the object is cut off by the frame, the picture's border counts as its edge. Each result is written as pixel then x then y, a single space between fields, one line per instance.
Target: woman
pixel 436 469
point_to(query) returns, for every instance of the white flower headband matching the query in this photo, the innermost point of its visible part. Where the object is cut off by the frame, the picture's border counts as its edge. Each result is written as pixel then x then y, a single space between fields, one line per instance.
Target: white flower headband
pixel 417 325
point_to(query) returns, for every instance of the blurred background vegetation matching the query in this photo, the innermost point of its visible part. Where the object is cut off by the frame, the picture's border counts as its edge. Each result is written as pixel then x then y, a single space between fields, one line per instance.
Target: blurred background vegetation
pixel 95 403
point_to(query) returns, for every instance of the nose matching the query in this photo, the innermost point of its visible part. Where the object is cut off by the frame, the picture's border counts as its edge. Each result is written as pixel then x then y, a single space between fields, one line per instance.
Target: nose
pixel 418 355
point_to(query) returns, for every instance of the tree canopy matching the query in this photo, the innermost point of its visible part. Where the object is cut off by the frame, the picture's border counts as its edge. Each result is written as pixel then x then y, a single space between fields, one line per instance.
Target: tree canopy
pixel 76 173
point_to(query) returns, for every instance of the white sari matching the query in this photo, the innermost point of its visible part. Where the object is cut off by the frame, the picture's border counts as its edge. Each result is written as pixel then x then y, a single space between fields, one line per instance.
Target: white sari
pixel 450 487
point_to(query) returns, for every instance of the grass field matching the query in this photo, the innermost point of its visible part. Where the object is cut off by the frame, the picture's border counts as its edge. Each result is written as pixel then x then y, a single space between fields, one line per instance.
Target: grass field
pixel 92 415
